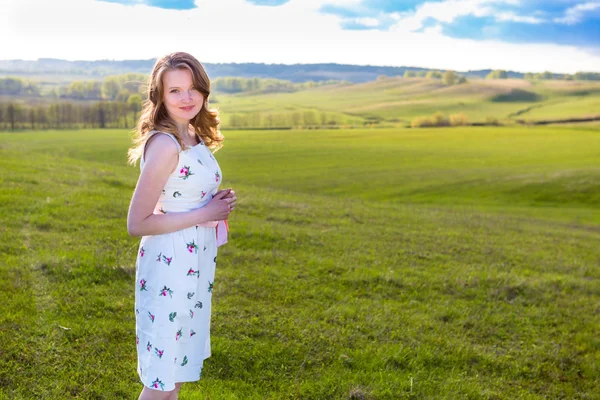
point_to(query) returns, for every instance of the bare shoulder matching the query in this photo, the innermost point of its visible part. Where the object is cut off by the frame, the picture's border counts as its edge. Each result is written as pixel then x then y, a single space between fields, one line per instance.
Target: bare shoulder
pixel 160 147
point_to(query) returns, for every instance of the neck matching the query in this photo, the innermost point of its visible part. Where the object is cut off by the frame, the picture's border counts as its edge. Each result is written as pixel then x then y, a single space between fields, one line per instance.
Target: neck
pixel 183 128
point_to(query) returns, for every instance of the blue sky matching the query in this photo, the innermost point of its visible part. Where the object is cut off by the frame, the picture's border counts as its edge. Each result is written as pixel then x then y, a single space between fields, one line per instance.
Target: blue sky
pixel 564 22
pixel 522 35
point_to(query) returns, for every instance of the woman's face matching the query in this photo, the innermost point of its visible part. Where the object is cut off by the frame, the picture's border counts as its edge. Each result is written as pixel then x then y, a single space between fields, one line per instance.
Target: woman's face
pixel 182 100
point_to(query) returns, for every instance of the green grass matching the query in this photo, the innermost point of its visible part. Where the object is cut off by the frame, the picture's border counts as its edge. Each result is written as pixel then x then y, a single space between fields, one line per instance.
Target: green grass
pixel 400 100
pixel 377 264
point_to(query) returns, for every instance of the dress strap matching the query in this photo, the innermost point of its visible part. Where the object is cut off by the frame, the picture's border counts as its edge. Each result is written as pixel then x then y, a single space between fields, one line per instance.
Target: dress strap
pixel 152 133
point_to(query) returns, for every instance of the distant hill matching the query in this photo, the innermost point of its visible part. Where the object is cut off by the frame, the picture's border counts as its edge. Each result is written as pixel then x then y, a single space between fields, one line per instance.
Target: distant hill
pixel 295 73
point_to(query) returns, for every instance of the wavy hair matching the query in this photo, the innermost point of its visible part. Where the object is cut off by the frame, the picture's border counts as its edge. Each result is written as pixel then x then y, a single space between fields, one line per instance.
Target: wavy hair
pixel 154 115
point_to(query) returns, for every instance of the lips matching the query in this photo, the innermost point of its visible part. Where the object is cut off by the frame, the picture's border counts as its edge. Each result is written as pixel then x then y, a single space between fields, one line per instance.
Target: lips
pixel 188 108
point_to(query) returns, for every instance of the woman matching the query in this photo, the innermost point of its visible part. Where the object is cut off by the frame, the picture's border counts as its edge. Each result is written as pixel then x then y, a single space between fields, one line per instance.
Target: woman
pixel 176 208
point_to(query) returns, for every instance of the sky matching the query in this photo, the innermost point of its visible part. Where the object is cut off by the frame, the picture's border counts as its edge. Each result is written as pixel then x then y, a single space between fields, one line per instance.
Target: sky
pixel 561 36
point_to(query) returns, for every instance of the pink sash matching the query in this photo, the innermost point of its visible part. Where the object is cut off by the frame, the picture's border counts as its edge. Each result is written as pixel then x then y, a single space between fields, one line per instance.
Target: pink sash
pixel 222 230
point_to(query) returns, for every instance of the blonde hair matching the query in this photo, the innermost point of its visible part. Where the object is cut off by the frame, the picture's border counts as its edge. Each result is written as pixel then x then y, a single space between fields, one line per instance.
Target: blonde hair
pixel 154 115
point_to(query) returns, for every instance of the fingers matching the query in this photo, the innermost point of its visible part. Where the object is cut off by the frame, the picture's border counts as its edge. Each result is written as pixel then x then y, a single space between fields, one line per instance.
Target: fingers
pixel 230 202
pixel 221 194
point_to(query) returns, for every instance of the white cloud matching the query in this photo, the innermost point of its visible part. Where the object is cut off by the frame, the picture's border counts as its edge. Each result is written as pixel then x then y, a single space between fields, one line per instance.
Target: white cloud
pixel 508 16
pixel 237 31
pixel 574 14
pixel 370 22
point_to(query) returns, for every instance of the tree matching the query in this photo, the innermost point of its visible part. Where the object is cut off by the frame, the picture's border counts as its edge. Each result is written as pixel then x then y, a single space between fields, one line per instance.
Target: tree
pixel 101 115
pixel 309 118
pixel 296 119
pixel 323 118
pixel 449 78
pixel 497 74
pixel 434 75
pixel 11 86
pixel 135 105
pixel 410 74
pixel 92 90
pixel 76 90
pixel 110 87
pixel 11 114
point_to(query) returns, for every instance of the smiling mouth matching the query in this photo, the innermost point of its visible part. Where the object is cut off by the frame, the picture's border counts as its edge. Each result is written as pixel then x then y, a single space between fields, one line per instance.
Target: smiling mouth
pixel 188 108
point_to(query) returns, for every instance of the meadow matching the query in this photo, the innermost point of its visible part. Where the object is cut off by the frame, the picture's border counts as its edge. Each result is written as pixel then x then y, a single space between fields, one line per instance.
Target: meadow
pixel 397 101
pixel 448 263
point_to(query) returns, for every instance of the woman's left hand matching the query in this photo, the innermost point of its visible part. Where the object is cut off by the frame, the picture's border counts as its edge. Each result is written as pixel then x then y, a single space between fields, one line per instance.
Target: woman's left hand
pixel 231 195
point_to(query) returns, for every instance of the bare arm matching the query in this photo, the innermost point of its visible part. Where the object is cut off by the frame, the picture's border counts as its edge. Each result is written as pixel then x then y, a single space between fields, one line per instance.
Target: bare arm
pixel 160 160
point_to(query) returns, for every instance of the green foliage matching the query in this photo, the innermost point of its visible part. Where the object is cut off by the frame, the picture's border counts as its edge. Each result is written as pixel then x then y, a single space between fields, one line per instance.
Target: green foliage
pixel 459 119
pixel 438 119
pixel 587 76
pixel 449 78
pixel 421 122
pixel 410 74
pixel 234 85
pixel 18 87
pixel 65 115
pixel 517 95
pixel 433 75
pixel 493 121
pixel 497 74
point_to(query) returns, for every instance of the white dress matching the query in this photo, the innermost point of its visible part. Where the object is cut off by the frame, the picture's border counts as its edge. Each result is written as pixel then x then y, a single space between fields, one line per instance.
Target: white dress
pixel 174 278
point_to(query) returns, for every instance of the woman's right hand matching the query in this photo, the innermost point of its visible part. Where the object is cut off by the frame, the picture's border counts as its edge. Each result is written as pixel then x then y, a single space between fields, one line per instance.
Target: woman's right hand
pixel 218 208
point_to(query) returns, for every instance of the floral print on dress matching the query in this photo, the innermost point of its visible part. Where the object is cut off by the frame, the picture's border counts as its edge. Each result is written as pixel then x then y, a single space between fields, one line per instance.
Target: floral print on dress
pixel 185 361
pixel 151 316
pixel 217 177
pixel 172 316
pixel 178 334
pixel 142 251
pixel 185 172
pixel 192 332
pixel 164 291
pixel 149 346
pixel 167 260
pixel 159 353
pixel 192 247
pixel 191 314
pixel 143 285
pixel 198 304
pixel 158 383
pixel 210 287
pixel 191 272
pixel 176 194
pixel 190 295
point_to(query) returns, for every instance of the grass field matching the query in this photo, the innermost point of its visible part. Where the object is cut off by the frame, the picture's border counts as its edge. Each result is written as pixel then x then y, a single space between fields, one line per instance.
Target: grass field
pixel 363 264
pixel 399 100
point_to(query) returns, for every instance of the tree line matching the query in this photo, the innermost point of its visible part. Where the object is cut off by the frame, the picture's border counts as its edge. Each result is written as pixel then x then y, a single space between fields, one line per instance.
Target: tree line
pixel 68 115
pixel 118 114
pixel 122 87
pixel 451 77
pixel 113 88
pixel 230 84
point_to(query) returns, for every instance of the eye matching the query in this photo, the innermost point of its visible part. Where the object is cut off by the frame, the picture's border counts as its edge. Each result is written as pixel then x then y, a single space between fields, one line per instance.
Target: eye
pixel 174 91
